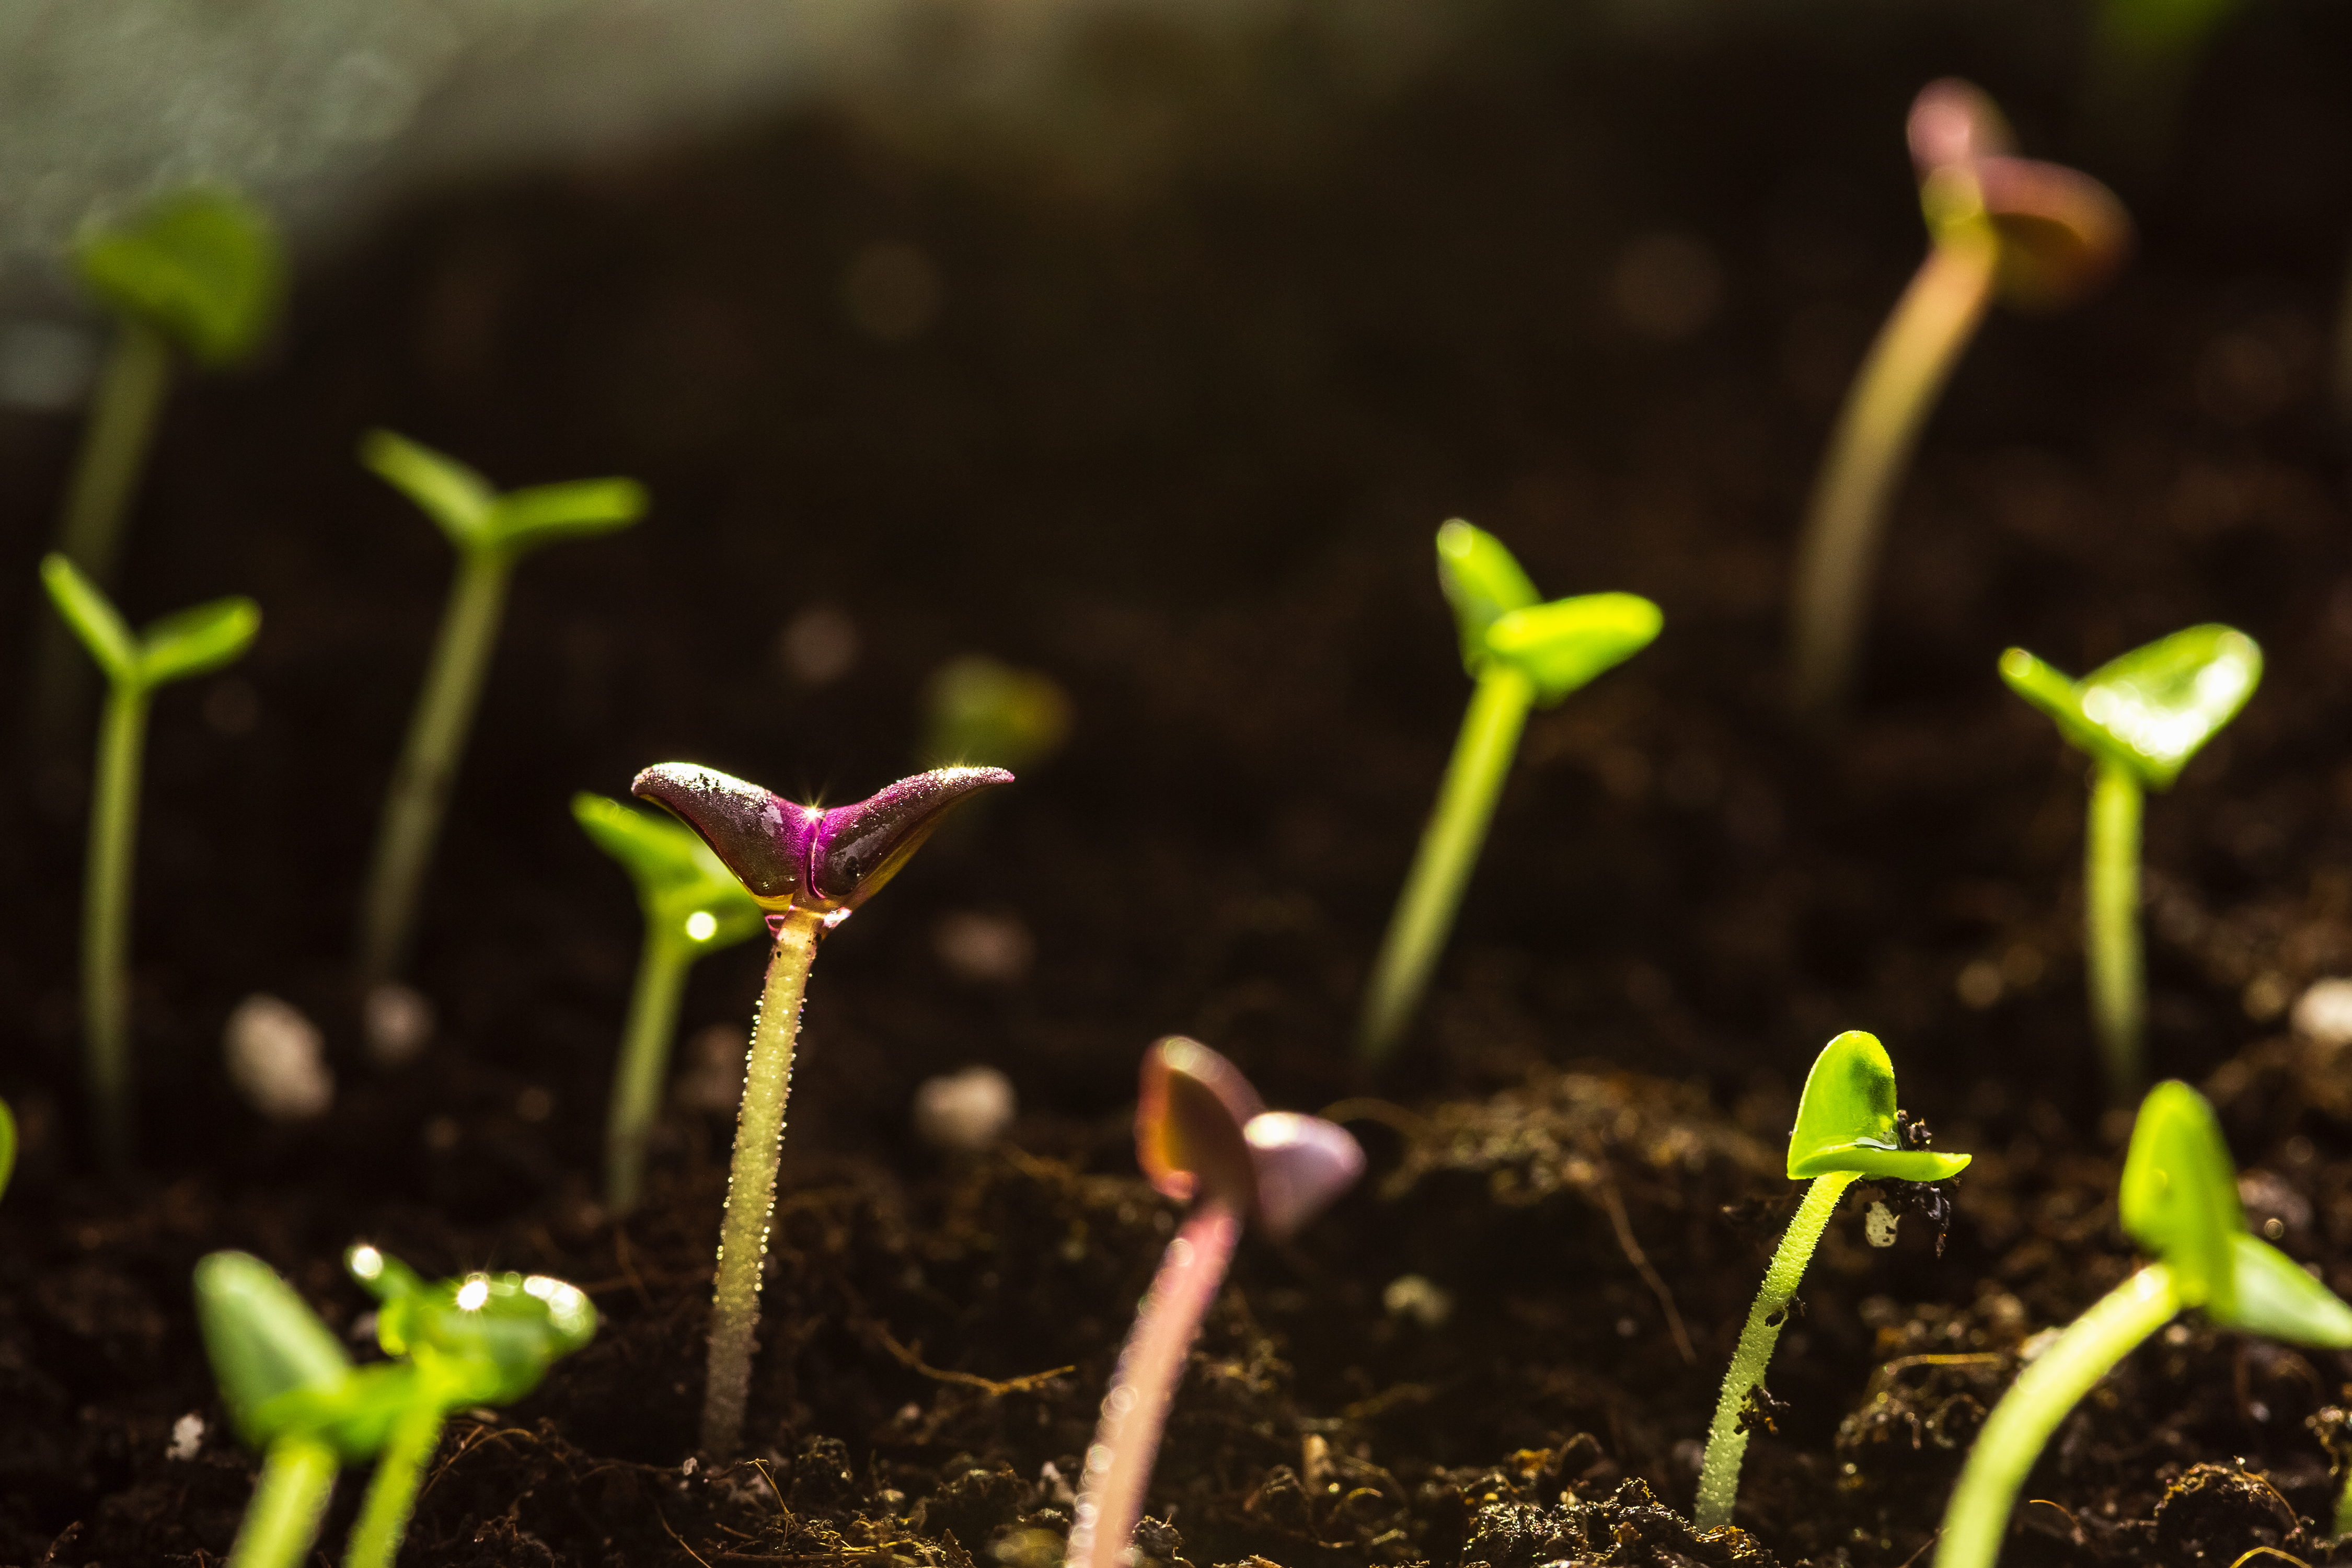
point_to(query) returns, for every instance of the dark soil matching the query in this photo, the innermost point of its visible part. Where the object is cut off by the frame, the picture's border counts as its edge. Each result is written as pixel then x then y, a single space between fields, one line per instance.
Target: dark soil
pixel 1180 438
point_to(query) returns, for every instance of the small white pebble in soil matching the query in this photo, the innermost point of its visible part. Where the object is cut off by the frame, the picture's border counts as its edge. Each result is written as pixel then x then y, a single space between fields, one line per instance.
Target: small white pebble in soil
pixel 1878 1224
pixel 398 1023
pixel 1627 1328
pixel 819 645
pixel 964 1112
pixel 2324 1012
pixel 1419 1298
pixel 534 1104
pixel 2179 1334
pixel 1980 985
pixel 2266 996
pixel 276 1059
pixel 713 1079
pixel 984 949
pixel 441 1133
pixel 1691 1455
pixel 187 1437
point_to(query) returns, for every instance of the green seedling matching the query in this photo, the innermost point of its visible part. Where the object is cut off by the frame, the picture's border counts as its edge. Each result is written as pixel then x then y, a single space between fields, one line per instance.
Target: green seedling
pixel 692 905
pixel 808 868
pixel 982 712
pixel 1202 1137
pixel 291 1392
pixel 1848 1129
pixel 198 274
pixel 8 1145
pixel 2139 719
pixel 2179 1202
pixel 190 643
pixel 492 532
pixel 1522 654
pixel 2036 236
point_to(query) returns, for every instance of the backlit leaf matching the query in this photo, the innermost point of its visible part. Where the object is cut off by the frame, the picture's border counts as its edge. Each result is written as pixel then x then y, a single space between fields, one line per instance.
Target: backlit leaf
pixel 93 617
pixel 2179 1194
pixel 264 1342
pixel 204 267
pixel 459 501
pixel 1845 1120
pixel 198 641
pixel 2154 708
pixel 1567 642
pixel 1483 582
pixel 579 509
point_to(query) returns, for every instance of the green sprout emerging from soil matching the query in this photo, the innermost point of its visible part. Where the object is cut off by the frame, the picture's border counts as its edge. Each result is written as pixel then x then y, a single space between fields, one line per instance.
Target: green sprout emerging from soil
pixel 291 1391
pixel 198 272
pixel 1201 1136
pixel 1848 1129
pixel 2178 1202
pixel 8 1145
pixel 492 532
pixel 190 643
pixel 2036 235
pixel 809 868
pixel 2139 718
pixel 1522 653
pixel 692 905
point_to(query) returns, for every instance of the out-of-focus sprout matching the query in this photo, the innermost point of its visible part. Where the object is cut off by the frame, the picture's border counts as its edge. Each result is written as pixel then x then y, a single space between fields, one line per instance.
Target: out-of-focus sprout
pixel 490 533
pixel 983 713
pixel 692 905
pixel 8 1145
pixel 2139 718
pixel 2037 236
pixel 808 870
pixel 1523 654
pixel 2143 53
pixel 192 642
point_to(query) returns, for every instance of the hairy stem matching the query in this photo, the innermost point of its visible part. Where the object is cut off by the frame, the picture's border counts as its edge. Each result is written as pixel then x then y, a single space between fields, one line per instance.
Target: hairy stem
pixel 1885 410
pixel 1135 1411
pixel 106 920
pixel 752 1181
pixel 644 1062
pixel 428 761
pixel 2111 926
pixel 2020 1424
pixel 391 1493
pixel 1449 848
pixel 1727 1445
pixel 281 1521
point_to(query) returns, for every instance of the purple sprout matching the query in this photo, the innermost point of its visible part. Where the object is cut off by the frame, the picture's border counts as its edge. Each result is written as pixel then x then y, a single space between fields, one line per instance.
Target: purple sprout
pixel 1201 1136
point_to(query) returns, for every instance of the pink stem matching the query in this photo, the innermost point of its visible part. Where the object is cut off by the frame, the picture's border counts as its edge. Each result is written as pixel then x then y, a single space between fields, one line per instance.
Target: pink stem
pixel 1135 1411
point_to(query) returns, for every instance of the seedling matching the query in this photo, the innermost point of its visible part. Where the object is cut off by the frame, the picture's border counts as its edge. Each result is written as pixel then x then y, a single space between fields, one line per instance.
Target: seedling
pixel 190 643
pixel 2178 1202
pixel 2037 236
pixel 983 712
pixel 492 532
pixel 1522 654
pixel 2139 718
pixel 692 905
pixel 8 1145
pixel 1847 1129
pixel 198 272
pixel 808 870
pixel 291 1392
pixel 1201 1136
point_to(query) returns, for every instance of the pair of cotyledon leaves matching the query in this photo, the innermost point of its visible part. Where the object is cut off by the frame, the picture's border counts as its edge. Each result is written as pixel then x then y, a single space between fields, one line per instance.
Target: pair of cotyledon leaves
pixel 1202 1133
pixel 1557 646
pixel 484 1339
pixel 201 267
pixel 2151 709
pixel 1845 1120
pixel 187 643
pixel 480 521
pixel 677 876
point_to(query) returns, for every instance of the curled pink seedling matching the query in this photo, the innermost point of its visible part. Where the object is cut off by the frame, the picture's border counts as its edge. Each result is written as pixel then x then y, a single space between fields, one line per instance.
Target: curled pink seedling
pixel 1201 1136
pixel 809 857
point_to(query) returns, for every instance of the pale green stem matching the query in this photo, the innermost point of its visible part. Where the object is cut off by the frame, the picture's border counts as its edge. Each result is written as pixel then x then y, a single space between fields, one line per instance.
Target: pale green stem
pixel 2344 1505
pixel 297 1476
pixel 1726 1446
pixel 751 1182
pixel 428 761
pixel 1877 430
pixel 1449 848
pixel 644 1066
pixel 2111 934
pixel 392 1492
pixel 2050 1385
pixel 106 920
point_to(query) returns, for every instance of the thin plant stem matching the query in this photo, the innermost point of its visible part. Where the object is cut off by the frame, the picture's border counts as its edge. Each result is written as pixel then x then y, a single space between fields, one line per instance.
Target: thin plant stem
pixel 392 1492
pixel 1877 430
pixel 297 1475
pixel 2344 1505
pixel 751 1180
pixel 2050 1385
pixel 106 919
pixel 1135 1411
pixel 645 1063
pixel 428 761
pixel 1727 1445
pixel 1449 848
pixel 2111 934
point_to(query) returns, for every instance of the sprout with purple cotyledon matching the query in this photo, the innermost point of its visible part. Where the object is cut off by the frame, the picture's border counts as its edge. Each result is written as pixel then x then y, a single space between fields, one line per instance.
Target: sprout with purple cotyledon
pixel 809 868
pixel 1201 1136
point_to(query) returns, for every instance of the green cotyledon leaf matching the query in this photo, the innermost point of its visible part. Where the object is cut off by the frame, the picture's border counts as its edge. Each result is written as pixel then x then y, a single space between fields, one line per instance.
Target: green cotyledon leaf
pixel 2179 1197
pixel 202 267
pixel 264 1342
pixel 1482 581
pixel 1563 644
pixel 677 876
pixel 2154 708
pixel 486 1338
pixel 2278 1300
pixel 1846 1120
